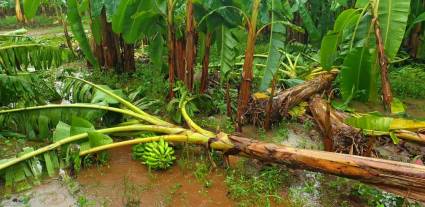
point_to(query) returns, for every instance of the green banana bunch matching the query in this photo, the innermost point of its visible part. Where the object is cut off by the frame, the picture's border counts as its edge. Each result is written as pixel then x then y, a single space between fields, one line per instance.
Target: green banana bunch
pixel 156 155
pixel 137 151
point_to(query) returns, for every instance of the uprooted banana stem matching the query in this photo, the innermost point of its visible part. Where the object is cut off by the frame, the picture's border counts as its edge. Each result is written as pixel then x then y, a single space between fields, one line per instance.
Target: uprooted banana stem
pixel 194 138
pixel 145 117
pixel 132 107
pixel 137 127
pixel 192 124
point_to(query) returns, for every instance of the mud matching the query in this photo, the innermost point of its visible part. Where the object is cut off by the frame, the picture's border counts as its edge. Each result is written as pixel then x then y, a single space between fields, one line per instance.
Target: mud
pixel 51 193
pixel 127 182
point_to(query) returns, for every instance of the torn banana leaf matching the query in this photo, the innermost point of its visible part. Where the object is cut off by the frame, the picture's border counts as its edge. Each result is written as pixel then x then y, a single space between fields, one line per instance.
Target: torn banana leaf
pixel 378 125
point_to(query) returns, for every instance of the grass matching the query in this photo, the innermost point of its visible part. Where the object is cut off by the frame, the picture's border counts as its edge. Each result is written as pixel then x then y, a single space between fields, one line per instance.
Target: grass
pixel 202 170
pixel 408 81
pixel 216 123
pixel 282 131
pixel 258 189
pixel 168 198
pixel 375 197
pixel 131 193
pixel 10 22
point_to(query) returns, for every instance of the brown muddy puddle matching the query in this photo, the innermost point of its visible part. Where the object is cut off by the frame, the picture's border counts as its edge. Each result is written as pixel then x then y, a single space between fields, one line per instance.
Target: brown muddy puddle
pixel 125 181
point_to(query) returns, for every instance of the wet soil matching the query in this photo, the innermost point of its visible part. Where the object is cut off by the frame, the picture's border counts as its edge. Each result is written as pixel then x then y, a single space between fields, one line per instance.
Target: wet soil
pixel 51 193
pixel 128 182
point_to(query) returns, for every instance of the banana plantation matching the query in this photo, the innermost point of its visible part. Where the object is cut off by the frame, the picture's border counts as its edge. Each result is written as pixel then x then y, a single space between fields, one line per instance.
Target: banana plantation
pixel 293 103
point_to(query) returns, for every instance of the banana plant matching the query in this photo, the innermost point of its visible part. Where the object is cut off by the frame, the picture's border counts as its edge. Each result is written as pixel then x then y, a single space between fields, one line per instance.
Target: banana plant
pixel 32 162
pixel 18 52
pixel 353 44
pixel 21 86
pixel 396 128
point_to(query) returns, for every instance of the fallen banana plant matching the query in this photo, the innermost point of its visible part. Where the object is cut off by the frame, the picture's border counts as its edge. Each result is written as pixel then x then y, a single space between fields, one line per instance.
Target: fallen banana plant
pixel 401 178
pixel 346 125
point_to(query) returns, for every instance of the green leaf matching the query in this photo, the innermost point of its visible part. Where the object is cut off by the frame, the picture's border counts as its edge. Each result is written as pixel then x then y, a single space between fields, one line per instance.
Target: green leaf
pixel 228 45
pixel 97 139
pixel 83 6
pixel 43 126
pixel 121 14
pixel 31 7
pixel 96 28
pixel 328 50
pixel 371 123
pixel 420 18
pixel 62 131
pixel 77 28
pixel 361 3
pixel 345 19
pixel 133 18
pixel 156 50
pixel 101 97
pixel 142 21
pixel 309 24
pixel 355 74
pixel 111 8
pixel 49 164
pixel 393 16
pixel 96 7
pixel 395 139
pixel 80 125
pixel 397 107
pixel 276 43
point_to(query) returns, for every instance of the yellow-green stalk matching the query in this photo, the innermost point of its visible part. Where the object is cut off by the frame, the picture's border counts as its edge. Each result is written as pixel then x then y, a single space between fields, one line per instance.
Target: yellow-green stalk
pixel 138 127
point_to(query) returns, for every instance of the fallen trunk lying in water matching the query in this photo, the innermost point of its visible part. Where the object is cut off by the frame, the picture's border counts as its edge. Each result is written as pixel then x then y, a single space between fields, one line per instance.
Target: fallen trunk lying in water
pixel 404 179
pixel 401 178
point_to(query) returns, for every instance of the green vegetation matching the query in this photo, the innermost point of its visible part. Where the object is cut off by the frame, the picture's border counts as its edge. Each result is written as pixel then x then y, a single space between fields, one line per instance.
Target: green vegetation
pixel 10 22
pixel 156 155
pixel 80 77
pixel 373 197
pixel 408 81
pixel 256 188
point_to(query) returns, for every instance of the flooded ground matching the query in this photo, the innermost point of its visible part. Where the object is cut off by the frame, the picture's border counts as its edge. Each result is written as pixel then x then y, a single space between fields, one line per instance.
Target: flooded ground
pixel 126 182
pixel 51 193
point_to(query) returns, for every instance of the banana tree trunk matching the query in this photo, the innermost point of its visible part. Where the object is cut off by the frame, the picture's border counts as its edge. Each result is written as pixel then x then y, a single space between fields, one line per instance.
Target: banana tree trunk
pixel 205 63
pixel 338 136
pixel 110 43
pixel 2 13
pixel 267 121
pixel 407 180
pixel 247 72
pixel 180 58
pixel 129 64
pixel 96 47
pixel 287 99
pixel 18 11
pixel 171 47
pixel 383 63
pixel 190 45
pixel 229 110
pixel 67 36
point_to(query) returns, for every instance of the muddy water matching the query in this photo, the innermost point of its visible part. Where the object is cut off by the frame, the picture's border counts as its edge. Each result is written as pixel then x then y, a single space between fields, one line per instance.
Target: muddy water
pixel 50 193
pixel 415 108
pixel 125 181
